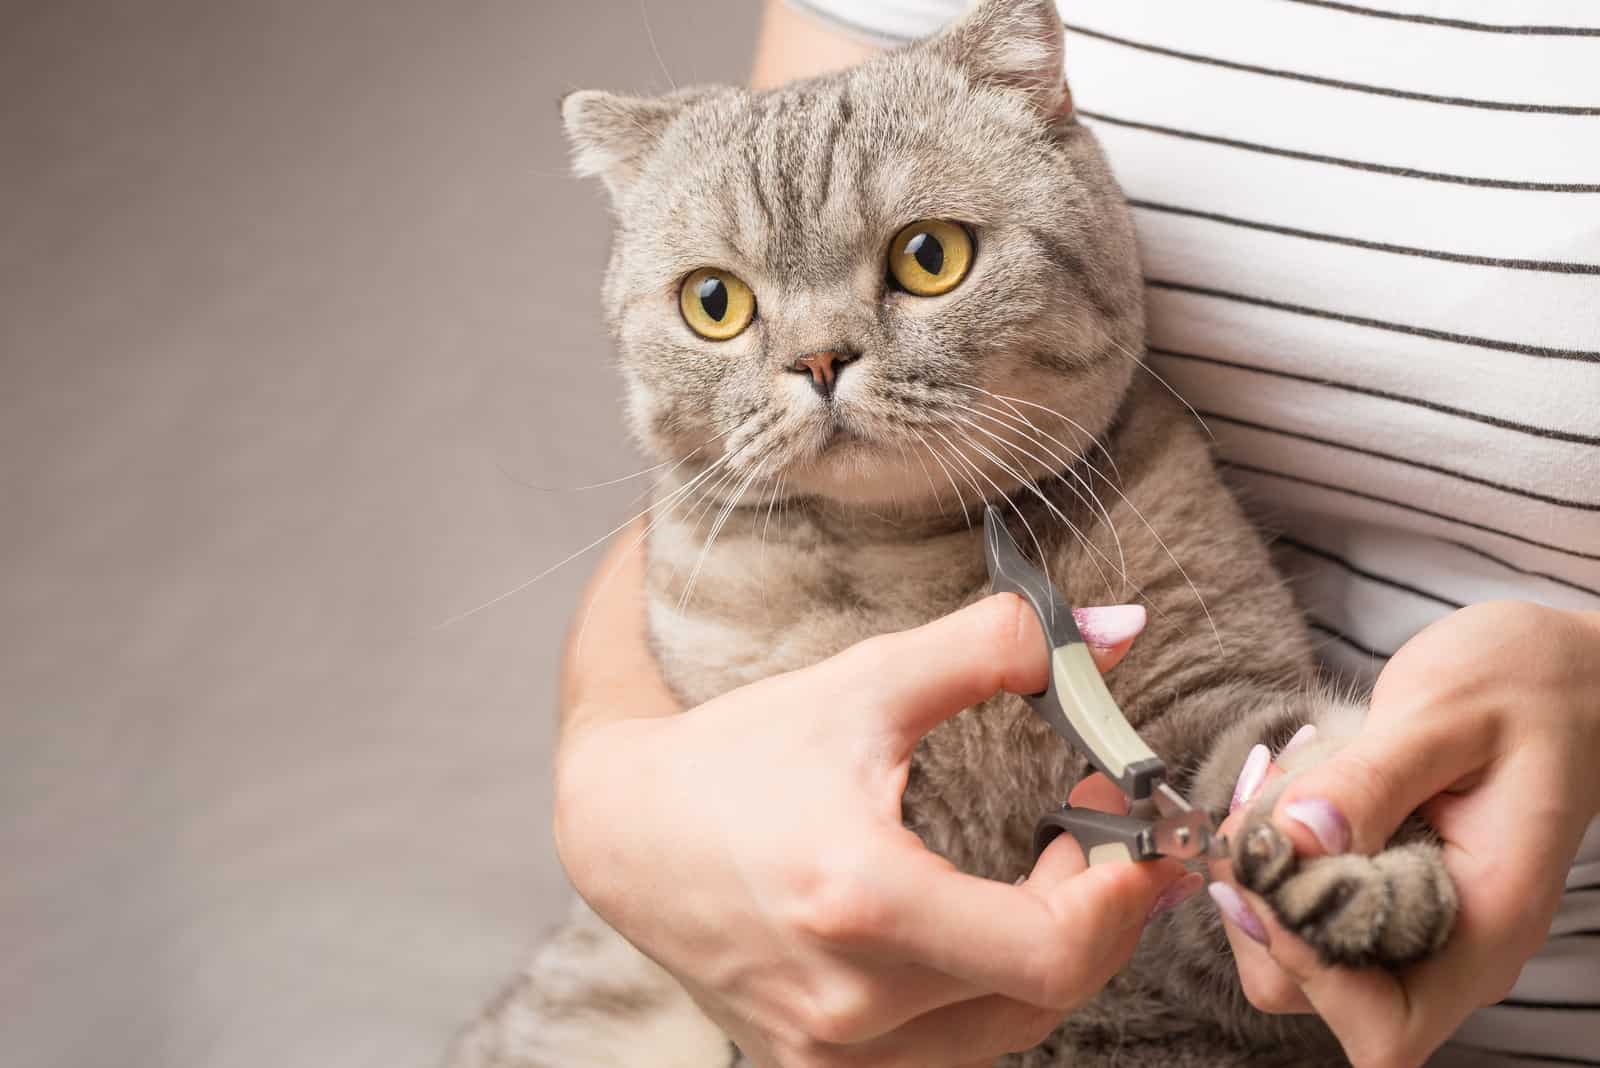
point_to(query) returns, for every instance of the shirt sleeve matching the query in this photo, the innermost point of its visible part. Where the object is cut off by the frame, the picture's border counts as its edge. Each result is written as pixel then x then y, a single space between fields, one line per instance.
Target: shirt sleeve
pixel 885 21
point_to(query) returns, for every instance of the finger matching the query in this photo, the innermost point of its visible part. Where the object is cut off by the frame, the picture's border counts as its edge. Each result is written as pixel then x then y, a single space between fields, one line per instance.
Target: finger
pixel 1099 793
pixel 1110 631
pixel 1042 942
pixel 1266 985
pixel 1376 1018
pixel 922 677
pixel 1357 798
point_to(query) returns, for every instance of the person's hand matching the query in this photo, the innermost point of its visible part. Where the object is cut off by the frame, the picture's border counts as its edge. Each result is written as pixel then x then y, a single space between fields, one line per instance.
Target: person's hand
pixel 1488 722
pixel 753 846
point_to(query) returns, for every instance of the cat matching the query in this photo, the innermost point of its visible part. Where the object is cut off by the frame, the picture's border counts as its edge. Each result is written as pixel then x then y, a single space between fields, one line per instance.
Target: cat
pixel 850 311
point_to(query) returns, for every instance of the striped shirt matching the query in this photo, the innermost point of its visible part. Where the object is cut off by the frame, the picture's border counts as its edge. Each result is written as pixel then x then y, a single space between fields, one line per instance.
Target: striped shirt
pixel 1371 239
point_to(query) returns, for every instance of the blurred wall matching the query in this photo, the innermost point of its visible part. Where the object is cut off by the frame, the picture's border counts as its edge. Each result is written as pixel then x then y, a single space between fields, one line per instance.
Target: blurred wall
pixel 298 310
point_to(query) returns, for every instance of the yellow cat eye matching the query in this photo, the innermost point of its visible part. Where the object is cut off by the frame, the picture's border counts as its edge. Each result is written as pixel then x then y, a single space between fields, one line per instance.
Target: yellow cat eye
pixel 716 304
pixel 930 257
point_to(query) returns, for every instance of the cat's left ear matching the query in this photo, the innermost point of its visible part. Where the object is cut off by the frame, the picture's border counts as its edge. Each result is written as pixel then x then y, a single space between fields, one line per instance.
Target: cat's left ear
pixel 1016 44
pixel 612 134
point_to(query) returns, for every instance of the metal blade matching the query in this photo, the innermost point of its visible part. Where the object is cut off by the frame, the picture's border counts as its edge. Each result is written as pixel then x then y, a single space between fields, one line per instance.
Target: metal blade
pixel 1183 831
pixel 1169 802
pixel 1184 836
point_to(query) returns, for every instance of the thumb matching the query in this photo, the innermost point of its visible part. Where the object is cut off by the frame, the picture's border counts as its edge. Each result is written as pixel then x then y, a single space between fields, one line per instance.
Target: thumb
pixel 1356 799
pixel 921 677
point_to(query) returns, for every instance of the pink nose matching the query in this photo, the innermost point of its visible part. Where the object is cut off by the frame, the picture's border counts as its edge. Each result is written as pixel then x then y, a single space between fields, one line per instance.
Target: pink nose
pixel 824 368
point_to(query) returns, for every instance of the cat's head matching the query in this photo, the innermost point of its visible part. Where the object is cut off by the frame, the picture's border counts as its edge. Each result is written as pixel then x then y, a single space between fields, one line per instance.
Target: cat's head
pixel 863 282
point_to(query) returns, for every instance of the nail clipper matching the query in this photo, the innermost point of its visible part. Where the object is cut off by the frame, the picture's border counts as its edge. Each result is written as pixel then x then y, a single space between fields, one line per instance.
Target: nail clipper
pixel 1078 707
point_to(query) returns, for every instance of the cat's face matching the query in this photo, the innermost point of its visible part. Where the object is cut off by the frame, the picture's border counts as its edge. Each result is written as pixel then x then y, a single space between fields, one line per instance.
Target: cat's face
pixel 865 284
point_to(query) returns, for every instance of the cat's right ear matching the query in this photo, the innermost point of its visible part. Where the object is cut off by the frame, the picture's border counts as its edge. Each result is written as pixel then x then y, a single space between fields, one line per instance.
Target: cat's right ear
pixel 612 134
pixel 1016 45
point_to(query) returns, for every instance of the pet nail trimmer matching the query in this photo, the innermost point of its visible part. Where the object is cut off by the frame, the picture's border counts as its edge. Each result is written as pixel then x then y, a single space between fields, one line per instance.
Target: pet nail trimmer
pixel 1077 706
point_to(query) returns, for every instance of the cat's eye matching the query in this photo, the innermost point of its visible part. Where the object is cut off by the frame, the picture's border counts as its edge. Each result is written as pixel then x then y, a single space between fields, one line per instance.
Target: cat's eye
pixel 716 304
pixel 930 257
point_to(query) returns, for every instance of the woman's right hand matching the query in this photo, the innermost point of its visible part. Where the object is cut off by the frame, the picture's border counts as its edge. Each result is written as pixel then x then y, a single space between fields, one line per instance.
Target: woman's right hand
pixel 753 846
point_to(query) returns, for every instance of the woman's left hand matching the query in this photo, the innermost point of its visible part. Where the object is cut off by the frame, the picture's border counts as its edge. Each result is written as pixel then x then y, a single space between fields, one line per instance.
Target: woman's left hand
pixel 1488 722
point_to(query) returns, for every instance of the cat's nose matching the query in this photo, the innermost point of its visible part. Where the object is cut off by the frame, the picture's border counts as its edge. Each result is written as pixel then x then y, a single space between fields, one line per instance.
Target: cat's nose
pixel 824 368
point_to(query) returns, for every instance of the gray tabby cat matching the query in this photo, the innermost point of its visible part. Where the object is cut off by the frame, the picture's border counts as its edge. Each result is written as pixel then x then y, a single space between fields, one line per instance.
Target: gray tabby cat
pixel 851 310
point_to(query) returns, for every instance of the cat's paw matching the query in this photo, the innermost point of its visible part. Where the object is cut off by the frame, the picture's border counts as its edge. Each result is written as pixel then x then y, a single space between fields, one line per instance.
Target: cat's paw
pixel 1391 909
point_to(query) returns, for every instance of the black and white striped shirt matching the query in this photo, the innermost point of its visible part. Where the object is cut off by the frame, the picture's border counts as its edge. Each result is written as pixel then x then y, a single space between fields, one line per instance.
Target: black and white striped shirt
pixel 1371 234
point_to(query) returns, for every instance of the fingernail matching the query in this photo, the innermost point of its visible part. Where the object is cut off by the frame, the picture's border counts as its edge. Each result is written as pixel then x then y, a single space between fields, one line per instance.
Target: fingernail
pixel 1301 737
pixel 1179 892
pixel 1236 912
pixel 1111 625
pixel 1251 776
pixel 1322 820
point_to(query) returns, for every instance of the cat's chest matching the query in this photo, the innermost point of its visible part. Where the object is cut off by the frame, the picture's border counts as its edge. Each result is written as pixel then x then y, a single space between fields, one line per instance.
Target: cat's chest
pixel 760 605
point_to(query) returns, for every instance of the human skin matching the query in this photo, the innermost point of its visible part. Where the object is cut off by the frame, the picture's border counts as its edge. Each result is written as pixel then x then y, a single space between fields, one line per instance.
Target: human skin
pixel 753 845
pixel 1488 722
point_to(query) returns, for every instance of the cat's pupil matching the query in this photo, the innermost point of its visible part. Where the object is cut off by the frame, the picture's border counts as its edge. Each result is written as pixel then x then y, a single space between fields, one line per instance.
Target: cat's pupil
pixel 928 252
pixel 714 298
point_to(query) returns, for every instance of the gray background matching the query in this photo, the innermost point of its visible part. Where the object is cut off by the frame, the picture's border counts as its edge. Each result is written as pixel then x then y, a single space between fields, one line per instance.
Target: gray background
pixel 298 310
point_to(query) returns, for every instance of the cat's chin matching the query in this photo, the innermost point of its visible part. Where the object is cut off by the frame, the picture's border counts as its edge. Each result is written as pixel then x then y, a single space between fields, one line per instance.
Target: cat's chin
pixel 856 472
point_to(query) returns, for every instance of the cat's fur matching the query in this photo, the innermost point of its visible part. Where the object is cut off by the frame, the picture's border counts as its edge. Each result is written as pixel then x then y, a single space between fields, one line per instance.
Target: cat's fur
pixel 840 519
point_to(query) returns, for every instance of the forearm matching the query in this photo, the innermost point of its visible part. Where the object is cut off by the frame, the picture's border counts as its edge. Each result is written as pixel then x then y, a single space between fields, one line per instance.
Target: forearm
pixel 608 672
pixel 795 45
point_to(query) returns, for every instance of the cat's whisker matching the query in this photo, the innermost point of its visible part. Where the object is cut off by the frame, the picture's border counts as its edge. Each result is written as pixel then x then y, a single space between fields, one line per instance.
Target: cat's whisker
pixel 1038 548
pixel 938 494
pixel 571 556
pixel 1126 577
pixel 712 440
pixel 1093 441
pixel 1153 373
pixel 663 509
pixel 1059 469
pixel 954 488
pixel 1165 548
pixel 716 528
pixel 766 527
pixel 707 495
pixel 1063 468
pixel 1012 403
pixel 667 504
pixel 962 464
pixel 587 486
pixel 651 35
pixel 1028 484
pixel 1112 485
pixel 722 518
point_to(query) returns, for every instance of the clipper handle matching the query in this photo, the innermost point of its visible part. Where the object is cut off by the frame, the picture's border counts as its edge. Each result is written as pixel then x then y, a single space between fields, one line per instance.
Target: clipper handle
pixel 1103 836
pixel 1075 703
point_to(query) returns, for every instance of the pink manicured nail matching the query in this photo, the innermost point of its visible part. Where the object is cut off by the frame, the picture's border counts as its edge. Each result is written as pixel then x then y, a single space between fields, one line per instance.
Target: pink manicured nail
pixel 1111 625
pixel 1251 776
pixel 1237 912
pixel 1179 892
pixel 1301 737
pixel 1321 819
